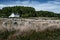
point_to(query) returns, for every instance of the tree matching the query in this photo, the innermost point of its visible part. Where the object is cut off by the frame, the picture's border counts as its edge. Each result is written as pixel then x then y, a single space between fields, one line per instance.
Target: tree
pixel 26 12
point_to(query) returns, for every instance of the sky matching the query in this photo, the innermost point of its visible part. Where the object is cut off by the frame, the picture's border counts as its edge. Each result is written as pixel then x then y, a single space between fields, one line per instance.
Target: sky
pixel 45 5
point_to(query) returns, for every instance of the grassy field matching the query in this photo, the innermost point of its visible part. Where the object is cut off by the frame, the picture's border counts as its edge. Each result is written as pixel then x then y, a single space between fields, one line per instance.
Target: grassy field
pixel 50 32
pixel 53 34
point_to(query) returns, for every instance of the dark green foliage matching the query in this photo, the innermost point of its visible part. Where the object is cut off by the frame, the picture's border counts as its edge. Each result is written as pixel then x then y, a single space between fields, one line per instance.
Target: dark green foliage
pixel 21 10
pixel 45 14
pixel 26 12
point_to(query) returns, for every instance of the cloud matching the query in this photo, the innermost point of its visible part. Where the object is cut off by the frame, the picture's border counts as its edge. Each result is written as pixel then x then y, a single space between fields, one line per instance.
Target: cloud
pixel 49 6
pixel 53 6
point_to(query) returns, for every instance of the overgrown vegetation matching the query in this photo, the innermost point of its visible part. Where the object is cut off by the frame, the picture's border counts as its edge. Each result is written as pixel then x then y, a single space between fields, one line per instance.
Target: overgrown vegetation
pixel 5 34
pixel 32 35
pixel 26 12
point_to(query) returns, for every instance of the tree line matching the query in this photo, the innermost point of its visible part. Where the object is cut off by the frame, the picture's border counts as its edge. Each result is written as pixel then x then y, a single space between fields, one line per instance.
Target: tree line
pixel 26 12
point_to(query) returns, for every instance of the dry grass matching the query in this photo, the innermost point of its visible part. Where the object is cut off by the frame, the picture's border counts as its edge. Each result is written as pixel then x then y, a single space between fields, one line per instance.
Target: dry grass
pixel 41 29
pixel 29 24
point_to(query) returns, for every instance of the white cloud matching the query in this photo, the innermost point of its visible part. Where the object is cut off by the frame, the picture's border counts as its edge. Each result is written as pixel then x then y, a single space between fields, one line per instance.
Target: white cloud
pixel 54 6
pixel 48 6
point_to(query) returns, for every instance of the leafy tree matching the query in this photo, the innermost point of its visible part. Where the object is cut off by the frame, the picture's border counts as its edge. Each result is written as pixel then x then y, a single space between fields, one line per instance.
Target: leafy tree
pixel 26 12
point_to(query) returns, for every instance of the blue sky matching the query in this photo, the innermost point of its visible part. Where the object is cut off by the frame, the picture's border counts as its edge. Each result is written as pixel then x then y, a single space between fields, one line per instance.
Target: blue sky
pixel 45 5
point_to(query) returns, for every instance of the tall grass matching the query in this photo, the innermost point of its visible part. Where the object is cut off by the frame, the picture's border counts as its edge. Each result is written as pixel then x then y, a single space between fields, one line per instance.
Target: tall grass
pixel 4 35
pixel 32 35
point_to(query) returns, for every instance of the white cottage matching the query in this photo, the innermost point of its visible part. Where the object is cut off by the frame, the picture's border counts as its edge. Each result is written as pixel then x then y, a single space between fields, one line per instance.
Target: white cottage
pixel 14 15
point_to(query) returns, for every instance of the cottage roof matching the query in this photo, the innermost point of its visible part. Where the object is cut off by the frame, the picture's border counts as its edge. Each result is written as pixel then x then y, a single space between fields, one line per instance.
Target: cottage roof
pixel 14 15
